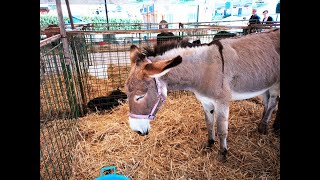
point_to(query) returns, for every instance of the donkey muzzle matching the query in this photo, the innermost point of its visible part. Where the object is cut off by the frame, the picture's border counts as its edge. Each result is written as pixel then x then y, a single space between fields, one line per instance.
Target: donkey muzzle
pixel 140 126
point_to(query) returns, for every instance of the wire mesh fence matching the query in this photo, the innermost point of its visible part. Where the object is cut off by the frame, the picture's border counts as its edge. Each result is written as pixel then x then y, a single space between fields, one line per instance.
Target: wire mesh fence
pixel 58 110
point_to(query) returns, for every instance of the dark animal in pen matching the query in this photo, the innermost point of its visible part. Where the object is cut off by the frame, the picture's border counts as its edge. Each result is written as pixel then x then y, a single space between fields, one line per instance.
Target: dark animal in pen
pixel 224 34
pixel 107 102
pixel 166 36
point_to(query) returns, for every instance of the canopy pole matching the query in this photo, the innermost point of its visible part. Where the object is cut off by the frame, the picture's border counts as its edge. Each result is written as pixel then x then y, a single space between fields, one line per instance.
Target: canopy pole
pixel 105 5
pixel 69 13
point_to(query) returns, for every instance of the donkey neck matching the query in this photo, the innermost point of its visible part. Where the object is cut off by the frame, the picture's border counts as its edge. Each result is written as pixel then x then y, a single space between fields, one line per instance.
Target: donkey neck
pixel 189 74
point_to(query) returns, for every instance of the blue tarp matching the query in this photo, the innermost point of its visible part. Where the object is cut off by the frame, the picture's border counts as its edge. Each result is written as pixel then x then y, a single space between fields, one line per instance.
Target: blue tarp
pixel 77 20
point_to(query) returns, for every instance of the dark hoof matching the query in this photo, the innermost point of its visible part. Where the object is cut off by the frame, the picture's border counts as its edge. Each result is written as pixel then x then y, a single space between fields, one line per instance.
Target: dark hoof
pixel 208 145
pixel 277 133
pixel 276 128
pixel 263 128
pixel 222 155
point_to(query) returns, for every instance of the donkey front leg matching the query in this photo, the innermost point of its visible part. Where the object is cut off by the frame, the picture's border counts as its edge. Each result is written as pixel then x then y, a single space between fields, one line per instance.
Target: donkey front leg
pixel 208 107
pixel 209 117
pixel 222 110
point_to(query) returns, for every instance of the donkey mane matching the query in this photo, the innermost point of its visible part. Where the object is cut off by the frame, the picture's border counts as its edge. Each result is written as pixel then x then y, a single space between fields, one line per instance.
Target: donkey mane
pixel 168 45
pixel 174 43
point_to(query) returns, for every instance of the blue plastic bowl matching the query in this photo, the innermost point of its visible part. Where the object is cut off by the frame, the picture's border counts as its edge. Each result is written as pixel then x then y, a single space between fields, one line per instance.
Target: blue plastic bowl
pixel 112 177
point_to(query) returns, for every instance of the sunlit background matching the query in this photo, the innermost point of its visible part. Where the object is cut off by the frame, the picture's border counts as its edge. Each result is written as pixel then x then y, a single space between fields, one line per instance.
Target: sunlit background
pixel 153 11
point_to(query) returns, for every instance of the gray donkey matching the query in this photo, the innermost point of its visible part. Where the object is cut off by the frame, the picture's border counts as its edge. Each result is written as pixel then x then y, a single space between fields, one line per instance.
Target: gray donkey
pixel 224 70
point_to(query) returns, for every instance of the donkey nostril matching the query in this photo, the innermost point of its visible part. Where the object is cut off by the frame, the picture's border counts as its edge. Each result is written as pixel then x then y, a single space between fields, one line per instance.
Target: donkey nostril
pixel 142 134
pixel 138 132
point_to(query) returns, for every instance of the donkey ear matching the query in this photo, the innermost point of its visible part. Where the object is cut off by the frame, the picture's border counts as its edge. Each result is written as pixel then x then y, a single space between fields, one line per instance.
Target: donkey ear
pixel 160 68
pixel 135 55
pixel 134 51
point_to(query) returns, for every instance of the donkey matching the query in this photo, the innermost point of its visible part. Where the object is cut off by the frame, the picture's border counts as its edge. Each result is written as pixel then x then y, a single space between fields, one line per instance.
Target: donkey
pixel 225 70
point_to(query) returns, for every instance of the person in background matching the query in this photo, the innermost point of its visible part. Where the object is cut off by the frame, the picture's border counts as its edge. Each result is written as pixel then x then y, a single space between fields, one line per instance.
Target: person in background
pixel 266 18
pixel 254 19
pixel 165 36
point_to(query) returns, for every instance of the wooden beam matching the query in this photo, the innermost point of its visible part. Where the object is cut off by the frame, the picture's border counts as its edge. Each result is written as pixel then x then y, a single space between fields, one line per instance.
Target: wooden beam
pixel 210 27
pixel 157 30
pixel 49 40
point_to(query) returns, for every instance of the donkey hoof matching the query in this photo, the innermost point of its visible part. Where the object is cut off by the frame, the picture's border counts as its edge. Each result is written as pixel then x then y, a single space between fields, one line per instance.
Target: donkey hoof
pixel 208 145
pixel 276 129
pixel 222 155
pixel 276 132
pixel 263 128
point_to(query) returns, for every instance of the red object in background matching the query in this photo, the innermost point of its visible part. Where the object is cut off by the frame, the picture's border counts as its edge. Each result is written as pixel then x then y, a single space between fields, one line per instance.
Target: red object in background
pixel 153 40
pixel 52 30
pixel 101 43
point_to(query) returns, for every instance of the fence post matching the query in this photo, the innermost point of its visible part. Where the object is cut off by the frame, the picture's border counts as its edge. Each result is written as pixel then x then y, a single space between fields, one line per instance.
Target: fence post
pixel 77 64
pixel 72 95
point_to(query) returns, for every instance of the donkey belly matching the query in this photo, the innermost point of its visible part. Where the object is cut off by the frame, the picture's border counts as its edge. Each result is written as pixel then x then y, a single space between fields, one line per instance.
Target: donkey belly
pixel 246 95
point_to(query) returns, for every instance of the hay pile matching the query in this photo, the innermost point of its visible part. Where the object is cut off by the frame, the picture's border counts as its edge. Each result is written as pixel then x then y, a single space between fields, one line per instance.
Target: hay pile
pixel 117 76
pixel 174 147
pixel 109 47
pixel 118 73
pixel 96 87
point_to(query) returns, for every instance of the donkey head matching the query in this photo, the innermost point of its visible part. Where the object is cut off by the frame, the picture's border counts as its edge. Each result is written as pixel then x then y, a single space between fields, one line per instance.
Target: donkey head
pixel 145 91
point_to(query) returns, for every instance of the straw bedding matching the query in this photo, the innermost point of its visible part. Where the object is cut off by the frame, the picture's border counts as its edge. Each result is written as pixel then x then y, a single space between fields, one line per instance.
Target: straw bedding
pixel 174 147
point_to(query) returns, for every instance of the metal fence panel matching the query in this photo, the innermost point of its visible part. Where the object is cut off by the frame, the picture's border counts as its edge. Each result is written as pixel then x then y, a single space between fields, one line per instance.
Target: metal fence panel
pixel 58 111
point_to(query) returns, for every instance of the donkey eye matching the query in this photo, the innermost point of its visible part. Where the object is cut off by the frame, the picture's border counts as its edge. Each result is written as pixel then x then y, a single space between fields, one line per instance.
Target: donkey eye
pixel 139 97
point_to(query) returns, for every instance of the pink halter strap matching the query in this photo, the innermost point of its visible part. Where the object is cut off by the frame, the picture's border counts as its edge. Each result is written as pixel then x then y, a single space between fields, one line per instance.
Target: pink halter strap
pixel 160 96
